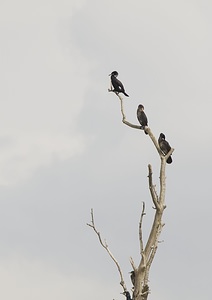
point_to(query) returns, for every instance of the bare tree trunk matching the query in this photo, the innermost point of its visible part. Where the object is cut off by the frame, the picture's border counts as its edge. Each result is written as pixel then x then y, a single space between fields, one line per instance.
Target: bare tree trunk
pixel 140 274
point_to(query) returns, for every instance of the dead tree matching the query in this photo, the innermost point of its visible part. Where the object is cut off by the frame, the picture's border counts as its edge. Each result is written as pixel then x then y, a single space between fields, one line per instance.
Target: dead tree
pixel 140 273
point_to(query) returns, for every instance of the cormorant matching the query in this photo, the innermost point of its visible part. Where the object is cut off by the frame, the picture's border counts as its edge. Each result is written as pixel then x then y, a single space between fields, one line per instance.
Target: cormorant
pixel 132 277
pixel 142 118
pixel 127 294
pixel 117 85
pixel 165 147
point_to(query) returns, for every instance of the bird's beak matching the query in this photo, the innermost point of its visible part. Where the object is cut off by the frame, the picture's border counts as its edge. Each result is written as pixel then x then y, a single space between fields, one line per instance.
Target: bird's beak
pixel 109 74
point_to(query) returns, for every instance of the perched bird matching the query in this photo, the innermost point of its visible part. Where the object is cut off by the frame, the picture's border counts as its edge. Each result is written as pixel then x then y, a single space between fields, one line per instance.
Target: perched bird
pixel 164 147
pixel 117 85
pixel 132 277
pixel 127 294
pixel 142 118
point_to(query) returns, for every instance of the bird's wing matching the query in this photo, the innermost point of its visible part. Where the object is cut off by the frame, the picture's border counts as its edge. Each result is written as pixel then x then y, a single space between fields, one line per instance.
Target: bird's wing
pixel 145 120
pixel 165 147
pixel 142 118
pixel 118 82
pixel 139 116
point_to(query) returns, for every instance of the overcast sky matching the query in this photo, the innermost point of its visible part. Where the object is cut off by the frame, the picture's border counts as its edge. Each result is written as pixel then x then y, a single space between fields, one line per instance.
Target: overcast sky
pixel 64 149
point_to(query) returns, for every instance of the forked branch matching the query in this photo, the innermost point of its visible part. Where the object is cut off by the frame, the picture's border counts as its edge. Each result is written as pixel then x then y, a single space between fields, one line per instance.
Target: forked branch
pixel 105 246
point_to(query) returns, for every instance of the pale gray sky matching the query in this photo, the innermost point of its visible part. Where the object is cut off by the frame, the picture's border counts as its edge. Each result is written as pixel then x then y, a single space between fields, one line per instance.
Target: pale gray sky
pixel 64 149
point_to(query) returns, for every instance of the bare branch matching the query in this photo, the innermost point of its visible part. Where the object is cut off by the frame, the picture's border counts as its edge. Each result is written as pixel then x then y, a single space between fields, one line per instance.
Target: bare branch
pixel 152 188
pixel 147 129
pixel 132 125
pixel 152 255
pixel 132 264
pixel 142 265
pixel 140 229
pixel 162 181
pixel 123 114
pixel 122 107
pixel 105 246
pixel 169 153
pixel 155 142
pixel 153 232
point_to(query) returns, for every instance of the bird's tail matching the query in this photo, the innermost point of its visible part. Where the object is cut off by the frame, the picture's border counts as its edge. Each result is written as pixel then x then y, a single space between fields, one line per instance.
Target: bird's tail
pixel 169 160
pixel 125 94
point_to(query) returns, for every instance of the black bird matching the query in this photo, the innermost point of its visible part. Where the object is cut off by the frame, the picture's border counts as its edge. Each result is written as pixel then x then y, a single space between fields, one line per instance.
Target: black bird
pixel 165 147
pixel 117 85
pixel 127 294
pixel 132 277
pixel 142 118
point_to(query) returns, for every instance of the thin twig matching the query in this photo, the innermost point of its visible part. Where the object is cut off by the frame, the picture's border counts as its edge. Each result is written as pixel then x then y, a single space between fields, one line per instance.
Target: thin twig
pixel 132 263
pixel 123 114
pixel 105 246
